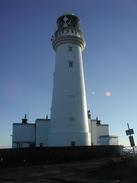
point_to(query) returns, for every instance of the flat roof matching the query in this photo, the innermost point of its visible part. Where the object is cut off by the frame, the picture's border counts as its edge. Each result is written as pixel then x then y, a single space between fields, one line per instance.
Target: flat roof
pixel 23 123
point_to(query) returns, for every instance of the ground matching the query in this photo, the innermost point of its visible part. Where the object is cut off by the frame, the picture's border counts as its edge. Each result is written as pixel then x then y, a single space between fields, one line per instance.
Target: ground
pixel 106 170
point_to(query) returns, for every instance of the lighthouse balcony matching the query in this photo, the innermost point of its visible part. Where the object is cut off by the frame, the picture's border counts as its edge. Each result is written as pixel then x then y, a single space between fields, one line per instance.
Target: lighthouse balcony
pixel 68 32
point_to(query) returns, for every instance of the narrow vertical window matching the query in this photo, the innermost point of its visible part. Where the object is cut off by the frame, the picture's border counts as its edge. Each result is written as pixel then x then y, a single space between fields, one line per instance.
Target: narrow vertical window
pixel 70 48
pixel 41 144
pixel 73 143
pixel 70 63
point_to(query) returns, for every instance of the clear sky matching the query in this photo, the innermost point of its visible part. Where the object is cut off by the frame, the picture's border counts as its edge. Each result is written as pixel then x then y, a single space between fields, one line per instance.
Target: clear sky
pixel 27 60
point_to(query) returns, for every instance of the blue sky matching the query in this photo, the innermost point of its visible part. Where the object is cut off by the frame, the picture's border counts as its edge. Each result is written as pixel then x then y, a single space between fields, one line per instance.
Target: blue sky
pixel 27 60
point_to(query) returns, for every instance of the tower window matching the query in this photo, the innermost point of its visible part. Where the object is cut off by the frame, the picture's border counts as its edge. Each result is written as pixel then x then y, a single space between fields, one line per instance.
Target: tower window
pixel 41 144
pixel 70 63
pixel 72 119
pixel 73 143
pixel 70 48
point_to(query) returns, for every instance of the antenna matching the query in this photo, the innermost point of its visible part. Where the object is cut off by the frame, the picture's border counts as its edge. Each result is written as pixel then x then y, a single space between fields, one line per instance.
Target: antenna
pixel 28 115
pixel 24 120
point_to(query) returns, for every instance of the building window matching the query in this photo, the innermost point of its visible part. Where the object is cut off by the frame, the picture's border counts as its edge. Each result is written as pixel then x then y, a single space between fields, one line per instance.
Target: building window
pixel 73 143
pixel 41 144
pixel 70 48
pixel 72 119
pixel 70 63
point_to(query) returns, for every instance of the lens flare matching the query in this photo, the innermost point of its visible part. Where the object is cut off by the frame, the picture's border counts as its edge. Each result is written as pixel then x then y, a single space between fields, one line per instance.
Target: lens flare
pixel 108 94
pixel 93 92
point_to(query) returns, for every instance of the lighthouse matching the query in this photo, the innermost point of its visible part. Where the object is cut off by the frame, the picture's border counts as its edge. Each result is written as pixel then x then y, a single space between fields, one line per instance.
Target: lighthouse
pixel 69 119
pixel 70 123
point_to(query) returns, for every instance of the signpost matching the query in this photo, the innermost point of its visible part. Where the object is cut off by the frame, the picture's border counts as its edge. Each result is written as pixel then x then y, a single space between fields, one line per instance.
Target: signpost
pixel 130 133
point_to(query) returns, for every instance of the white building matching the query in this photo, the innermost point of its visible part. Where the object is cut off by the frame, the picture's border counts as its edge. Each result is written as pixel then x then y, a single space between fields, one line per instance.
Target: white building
pixel 42 132
pixel 70 124
pixel 100 133
pixel 31 134
pixel 36 134
pixel 24 134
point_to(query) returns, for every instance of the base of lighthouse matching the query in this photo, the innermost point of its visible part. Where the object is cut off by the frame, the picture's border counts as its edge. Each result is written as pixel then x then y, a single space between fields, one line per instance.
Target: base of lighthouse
pixel 69 139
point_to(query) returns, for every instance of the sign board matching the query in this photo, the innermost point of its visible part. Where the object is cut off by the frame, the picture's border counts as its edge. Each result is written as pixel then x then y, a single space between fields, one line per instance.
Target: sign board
pixel 131 139
pixel 129 132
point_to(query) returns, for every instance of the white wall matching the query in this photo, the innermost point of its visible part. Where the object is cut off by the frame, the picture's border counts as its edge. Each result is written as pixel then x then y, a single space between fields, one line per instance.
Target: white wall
pixel 93 131
pixel 97 130
pixel 23 135
pixel 104 140
pixel 113 140
pixel 42 131
pixel 69 107
pixel 108 140
pixel 102 130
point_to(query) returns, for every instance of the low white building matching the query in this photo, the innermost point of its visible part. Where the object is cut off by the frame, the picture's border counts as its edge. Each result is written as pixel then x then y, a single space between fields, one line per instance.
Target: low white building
pixel 100 133
pixel 36 134
pixel 108 140
pixel 42 132
pixel 24 135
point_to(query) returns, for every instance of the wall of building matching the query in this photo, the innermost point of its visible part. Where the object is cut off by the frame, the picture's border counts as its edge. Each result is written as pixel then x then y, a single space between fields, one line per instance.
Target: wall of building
pixel 104 140
pixel 69 108
pixel 93 130
pixel 36 134
pixel 97 129
pixel 42 132
pixel 102 129
pixel 113 140
pixel 108 140
pixel 23 135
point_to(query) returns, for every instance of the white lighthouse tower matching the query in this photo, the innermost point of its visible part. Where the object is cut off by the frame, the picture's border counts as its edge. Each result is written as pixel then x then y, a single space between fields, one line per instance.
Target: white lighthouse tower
pixel 69 119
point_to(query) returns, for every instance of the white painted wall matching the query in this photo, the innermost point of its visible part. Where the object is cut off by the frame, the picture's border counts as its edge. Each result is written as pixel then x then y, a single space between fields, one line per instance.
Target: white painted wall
pixel 97 130
pixel 108 140
pixel 102 130
pixel 113 140
pixel 93 132
pixel 69 107
pixel 23 135
pixel 104 140
pixel 42 131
